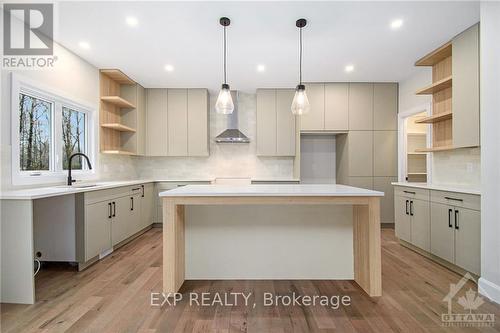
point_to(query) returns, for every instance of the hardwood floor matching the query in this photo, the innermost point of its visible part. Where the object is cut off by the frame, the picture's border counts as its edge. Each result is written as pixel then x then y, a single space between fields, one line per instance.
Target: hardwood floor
pixel 114 295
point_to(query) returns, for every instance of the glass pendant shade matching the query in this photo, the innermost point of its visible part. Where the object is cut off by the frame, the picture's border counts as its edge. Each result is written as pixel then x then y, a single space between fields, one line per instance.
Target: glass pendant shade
pixel 300 104
pixel 224 104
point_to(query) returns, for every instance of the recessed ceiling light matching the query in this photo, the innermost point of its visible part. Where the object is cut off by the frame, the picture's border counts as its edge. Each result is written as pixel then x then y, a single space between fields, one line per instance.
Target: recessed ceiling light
pixel 131 21
pixel 169 68
pixel 396 24
pixel 261 68
pixel 84 45
pixel 349 68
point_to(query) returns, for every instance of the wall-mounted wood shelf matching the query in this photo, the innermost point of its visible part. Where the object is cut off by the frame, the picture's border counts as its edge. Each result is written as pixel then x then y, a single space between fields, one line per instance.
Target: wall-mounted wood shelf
pixel 436 56
pixel 117 152
pixel 416 153
pixel 435 118
pixel 118 101
pixel 117 76
pixel 118 127
pixel 436 86
pixel 434 149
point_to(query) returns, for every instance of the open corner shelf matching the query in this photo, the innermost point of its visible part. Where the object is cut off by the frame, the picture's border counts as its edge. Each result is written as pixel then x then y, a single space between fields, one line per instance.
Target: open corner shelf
pixel 117 152
pixel 435 118
pixel 435 56
pixel 117 76
pixel 118 101
pixel 118 127
pixel 436 86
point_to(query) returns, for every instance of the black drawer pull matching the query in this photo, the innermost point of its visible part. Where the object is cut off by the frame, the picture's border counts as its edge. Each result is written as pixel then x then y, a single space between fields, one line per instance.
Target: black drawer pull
pixel 409 192
pixel 449 218
pixel 411 208
pixel 109 210
pixel 114 209
pixel 457 226
pixel 406 207
pixel 454 199
pixel 131 203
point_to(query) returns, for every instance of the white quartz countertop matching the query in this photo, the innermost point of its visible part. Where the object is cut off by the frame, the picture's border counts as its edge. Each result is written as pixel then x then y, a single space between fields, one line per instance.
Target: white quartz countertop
pixel 270 190
pixel 436 187
pixel 58 190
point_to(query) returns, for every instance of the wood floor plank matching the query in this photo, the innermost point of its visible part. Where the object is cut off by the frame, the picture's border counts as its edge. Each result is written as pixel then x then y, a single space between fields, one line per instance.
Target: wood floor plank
pixel 114 296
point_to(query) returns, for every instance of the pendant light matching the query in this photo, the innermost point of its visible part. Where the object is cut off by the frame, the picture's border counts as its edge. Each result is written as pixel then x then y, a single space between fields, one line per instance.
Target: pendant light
pixel 300 104
pixel 224 102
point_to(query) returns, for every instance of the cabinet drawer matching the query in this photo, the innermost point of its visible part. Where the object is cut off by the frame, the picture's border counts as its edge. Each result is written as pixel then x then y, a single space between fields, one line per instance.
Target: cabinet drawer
pixel 112 193
pixel 412 192
pixel 469 201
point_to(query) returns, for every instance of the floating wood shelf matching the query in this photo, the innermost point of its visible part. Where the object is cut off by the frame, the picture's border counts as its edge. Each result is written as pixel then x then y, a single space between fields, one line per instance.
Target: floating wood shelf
pixel 415 153
pixel 117 152
pixel 434 149
pixel 117 76
pixel 118 127
pixel 435 56
pixel 417 173
pixel 118 101
pixel 436 86
pixel 435 118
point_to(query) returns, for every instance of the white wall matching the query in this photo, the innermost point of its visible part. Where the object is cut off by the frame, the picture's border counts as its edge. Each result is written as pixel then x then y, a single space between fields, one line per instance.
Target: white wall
pixel 71 77
pixel 461 167
pixel 225 160
pixel 489 283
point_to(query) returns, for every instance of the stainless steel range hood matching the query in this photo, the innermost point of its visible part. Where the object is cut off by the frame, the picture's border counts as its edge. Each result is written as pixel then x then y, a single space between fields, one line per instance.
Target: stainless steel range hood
pixel 232 134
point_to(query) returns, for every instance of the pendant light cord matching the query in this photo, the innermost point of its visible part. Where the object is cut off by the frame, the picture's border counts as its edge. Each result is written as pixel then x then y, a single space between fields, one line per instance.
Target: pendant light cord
pixel 225 51
pixel 300 56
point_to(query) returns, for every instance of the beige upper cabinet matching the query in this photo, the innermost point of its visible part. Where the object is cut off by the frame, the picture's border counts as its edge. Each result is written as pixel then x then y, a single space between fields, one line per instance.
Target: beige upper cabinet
pixel 465 88
pixel 360 106
pixel 275 123
pixel 385 148
pixel 385 106
pixel 141 120
pixel 285 122
pixel 156 122
pixel 177 122
pixel 198 128
pixel 336 107
pixel 266 122
pixel 360 153
pixel 315 119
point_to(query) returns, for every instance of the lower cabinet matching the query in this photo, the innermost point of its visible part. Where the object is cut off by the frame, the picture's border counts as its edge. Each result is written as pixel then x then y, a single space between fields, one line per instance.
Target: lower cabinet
pixel 112 216
pixel 97 228
pixel 413 221
pixel 445 224
pixel 456 235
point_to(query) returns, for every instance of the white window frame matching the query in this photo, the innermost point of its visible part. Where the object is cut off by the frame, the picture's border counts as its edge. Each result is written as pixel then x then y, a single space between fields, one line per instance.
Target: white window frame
pixel 56 174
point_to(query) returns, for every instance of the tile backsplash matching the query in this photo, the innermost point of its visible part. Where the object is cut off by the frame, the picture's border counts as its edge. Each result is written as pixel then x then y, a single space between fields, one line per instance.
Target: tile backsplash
pixel 458 167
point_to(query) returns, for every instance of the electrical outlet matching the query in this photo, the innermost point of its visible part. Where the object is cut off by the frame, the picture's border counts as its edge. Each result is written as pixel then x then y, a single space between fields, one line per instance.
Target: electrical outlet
pixel 469 167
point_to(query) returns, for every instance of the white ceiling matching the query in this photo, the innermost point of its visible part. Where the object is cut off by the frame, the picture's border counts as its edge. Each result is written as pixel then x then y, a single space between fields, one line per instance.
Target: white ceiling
pixel 188 36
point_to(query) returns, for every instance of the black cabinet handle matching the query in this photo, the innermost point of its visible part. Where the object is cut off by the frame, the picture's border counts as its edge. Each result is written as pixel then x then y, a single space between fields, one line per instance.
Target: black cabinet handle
pixel 454 199
pixel 109 210
pixel 411 208
pixel 406 207
pixel 142 195
pixel 131 203
pixel 409 192
pixel 449 218
pixel 114 209
pixel 457 226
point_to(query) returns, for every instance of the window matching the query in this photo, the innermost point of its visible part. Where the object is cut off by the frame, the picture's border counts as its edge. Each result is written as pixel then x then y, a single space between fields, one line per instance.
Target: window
pixel 35 119
pixel 73 137
pixel 47 129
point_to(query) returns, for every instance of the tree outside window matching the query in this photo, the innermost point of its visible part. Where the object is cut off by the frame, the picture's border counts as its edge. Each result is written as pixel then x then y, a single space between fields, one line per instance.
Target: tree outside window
pixel 34 133
pixel 73 137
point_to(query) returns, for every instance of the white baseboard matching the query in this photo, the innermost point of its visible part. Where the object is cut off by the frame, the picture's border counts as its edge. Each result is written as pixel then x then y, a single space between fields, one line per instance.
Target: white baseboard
pixel 489 290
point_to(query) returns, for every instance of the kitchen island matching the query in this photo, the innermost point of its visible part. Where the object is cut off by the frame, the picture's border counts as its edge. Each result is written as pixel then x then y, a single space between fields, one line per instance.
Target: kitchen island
pixel 365 215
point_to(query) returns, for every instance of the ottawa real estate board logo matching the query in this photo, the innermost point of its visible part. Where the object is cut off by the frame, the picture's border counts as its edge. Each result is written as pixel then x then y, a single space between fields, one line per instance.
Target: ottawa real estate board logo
pixel 471 302
pixel 28 31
